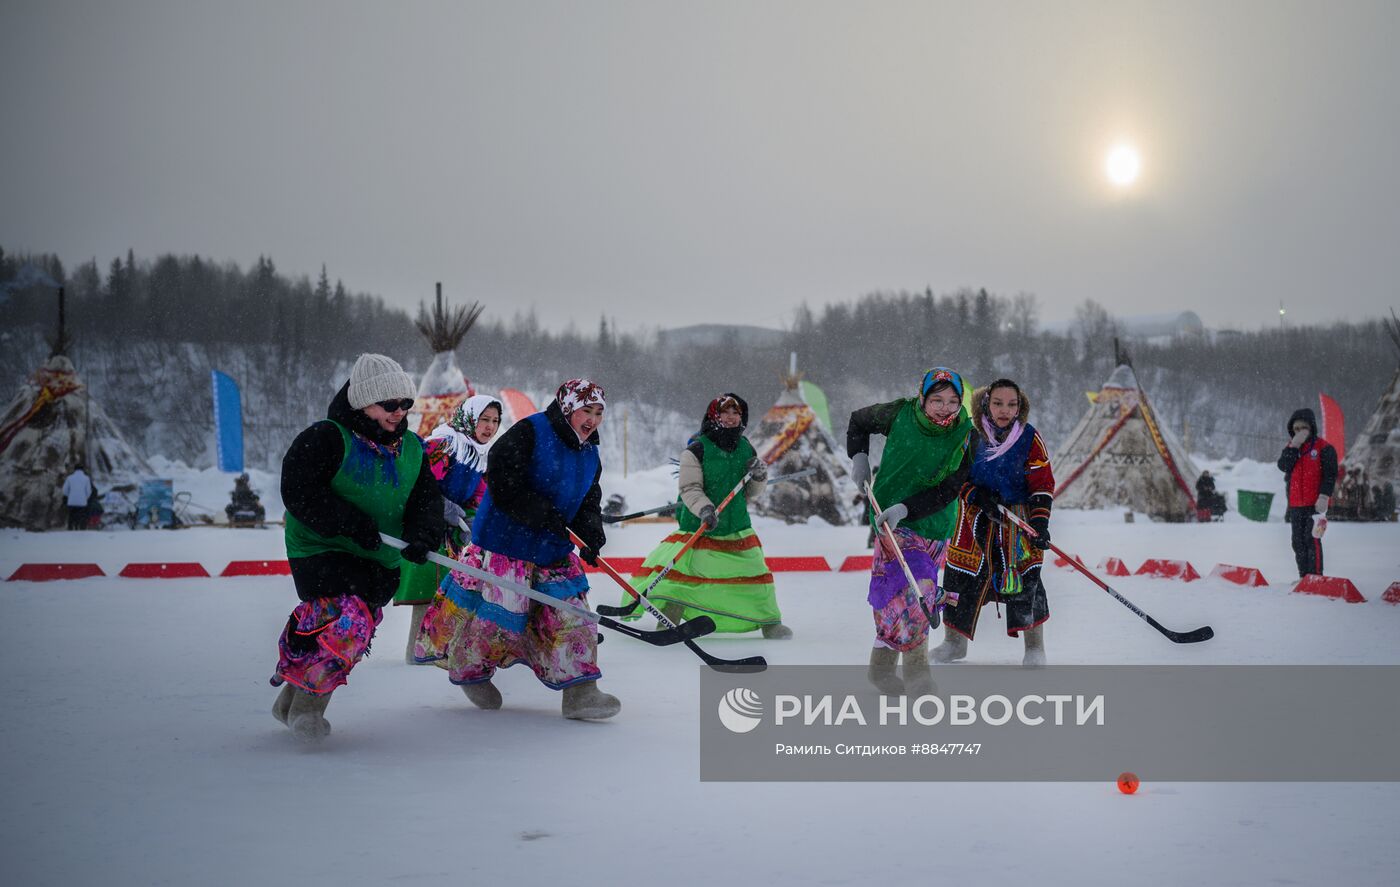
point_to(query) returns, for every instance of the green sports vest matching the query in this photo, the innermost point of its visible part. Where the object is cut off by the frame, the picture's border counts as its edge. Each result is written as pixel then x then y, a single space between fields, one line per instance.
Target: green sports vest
pixel 917 455
pixel 375 495
pixel 722 471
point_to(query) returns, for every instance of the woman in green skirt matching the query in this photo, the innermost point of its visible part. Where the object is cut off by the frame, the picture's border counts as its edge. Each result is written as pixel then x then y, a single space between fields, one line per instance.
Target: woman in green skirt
pixel 723 575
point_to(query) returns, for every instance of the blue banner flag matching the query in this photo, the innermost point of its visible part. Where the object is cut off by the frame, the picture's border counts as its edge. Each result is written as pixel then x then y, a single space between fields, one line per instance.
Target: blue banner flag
pixel 228 421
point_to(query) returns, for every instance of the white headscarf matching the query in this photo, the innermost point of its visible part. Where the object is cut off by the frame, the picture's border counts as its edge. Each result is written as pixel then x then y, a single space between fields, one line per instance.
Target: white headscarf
pixel 459 431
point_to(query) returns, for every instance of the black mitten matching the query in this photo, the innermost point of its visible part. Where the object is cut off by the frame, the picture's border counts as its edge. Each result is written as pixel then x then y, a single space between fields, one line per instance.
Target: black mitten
pixel 1041 525
pixel 985 498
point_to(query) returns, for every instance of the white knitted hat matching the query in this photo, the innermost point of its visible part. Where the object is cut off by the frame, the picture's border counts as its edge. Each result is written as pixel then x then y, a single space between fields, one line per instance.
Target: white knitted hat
pixel 376 377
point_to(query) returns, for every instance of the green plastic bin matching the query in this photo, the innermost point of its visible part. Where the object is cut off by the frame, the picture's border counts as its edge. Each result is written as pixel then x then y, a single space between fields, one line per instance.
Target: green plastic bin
pixel 1255 506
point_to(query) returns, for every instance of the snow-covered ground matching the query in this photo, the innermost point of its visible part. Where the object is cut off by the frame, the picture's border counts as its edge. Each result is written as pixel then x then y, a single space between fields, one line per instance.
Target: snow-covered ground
pixel 137 746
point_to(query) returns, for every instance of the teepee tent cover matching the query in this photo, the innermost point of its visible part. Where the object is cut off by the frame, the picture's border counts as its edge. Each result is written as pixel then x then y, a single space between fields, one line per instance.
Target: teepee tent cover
pixel 444 385
pixel 790 438
pixel 51 425
pixel 1377 449
pixel 1120 454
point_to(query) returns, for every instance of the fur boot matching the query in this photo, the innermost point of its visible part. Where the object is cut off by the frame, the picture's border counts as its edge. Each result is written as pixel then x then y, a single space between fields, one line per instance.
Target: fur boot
pixel 306 716
pixel 483 695
pixel 881 674
pixel 777 632
pixel 415 622
pixel 953 648
pixel 283 703
pixel 585 702
pixel 1035 647
pixel 918 679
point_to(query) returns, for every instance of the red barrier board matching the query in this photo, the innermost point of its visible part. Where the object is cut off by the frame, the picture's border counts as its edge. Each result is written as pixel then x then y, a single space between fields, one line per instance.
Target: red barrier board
pixel 1168 569
pixel 50 572
pixel 257 568
pixel 1330 586
pixel 857 563
pixel 620 564
pixel 1392 594
pixel 1239 575
pixel 798 565
pixel 1114 566
pixel 164 571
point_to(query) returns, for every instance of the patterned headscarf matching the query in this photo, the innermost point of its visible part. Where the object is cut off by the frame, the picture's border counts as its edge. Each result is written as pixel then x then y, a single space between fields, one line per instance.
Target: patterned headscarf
pixel 940 374
pixel 576 394
pixel 932 379
pixel 468 411
pixel 457 436
pixel 724 402
pixel 726 438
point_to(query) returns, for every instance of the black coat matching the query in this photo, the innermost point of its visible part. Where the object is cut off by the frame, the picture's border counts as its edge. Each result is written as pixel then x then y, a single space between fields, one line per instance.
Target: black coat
pixel 311 463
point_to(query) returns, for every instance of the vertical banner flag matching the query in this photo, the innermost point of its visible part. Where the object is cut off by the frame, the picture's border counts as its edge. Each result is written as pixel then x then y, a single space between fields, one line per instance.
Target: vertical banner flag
pixel 816 399
pixel 1334 429
pixel 228 421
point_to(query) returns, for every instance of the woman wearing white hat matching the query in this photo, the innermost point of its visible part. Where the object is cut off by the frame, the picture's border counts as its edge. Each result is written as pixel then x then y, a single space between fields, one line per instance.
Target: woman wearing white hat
pixel 349 477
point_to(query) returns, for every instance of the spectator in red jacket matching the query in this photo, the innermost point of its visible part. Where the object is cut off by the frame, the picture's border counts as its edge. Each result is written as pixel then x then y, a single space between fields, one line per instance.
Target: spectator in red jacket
pixel 1309 466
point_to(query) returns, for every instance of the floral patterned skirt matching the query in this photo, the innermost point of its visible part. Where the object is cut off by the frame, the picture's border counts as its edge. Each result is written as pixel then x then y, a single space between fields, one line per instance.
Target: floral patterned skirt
pixel 473 628
pixel 900 623
pixel 323 640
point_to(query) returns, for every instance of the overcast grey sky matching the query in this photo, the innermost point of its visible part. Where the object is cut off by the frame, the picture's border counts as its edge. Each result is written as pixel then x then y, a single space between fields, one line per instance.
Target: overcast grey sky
pixel 674 163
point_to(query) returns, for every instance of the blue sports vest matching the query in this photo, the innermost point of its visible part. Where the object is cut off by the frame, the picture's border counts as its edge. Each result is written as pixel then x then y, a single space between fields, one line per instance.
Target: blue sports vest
pixel 1006 475
pixel 559 473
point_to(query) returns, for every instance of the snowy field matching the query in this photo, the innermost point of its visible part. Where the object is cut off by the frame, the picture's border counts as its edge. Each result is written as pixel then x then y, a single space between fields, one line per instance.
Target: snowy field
pixel 138 747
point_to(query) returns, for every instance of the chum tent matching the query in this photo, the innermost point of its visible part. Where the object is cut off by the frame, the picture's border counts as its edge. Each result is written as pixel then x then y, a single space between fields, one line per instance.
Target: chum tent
pixel 1121 455
pixel 444 385
pixel 790 438
pixel 49 427
pixel 1377 449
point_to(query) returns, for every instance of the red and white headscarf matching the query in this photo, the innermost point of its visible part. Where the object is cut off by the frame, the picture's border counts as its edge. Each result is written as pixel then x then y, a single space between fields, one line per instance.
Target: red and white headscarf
pixel 576 394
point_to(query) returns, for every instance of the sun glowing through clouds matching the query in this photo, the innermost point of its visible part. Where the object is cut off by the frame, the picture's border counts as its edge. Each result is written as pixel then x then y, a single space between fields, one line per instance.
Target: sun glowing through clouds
pixel 1123 165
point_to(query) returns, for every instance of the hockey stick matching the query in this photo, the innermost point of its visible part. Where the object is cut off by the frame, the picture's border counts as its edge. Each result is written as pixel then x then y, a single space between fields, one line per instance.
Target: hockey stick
pixel 694 537
pixel 693 629
pixel 619 518
pixel 1204 633
pixel 931 615
pixel 747 664
pixel 670 506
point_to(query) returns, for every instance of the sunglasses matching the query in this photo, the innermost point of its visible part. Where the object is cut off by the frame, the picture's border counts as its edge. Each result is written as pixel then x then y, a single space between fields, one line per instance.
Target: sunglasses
pixel 393 406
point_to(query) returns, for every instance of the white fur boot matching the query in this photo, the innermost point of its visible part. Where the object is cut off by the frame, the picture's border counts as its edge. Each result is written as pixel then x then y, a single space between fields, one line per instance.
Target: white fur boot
pixel 283 703
pixel 585 702
pixel 1035 647
pixel 777 632
pixel 306 716
pixel 918 678
pixel 881 673
pixel 415 622
pixel 483 695
pixel 953 648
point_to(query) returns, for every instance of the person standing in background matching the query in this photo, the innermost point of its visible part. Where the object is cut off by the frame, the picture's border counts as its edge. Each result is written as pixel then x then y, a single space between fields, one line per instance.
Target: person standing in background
pixel 77 488
pixel 1309 466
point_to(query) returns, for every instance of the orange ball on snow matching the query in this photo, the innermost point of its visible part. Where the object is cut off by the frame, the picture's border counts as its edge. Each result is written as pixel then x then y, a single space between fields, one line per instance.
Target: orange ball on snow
pixel 1128 783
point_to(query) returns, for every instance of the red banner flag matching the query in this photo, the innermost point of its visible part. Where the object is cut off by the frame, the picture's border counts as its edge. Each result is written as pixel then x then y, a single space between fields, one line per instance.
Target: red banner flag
pixel 1334 426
